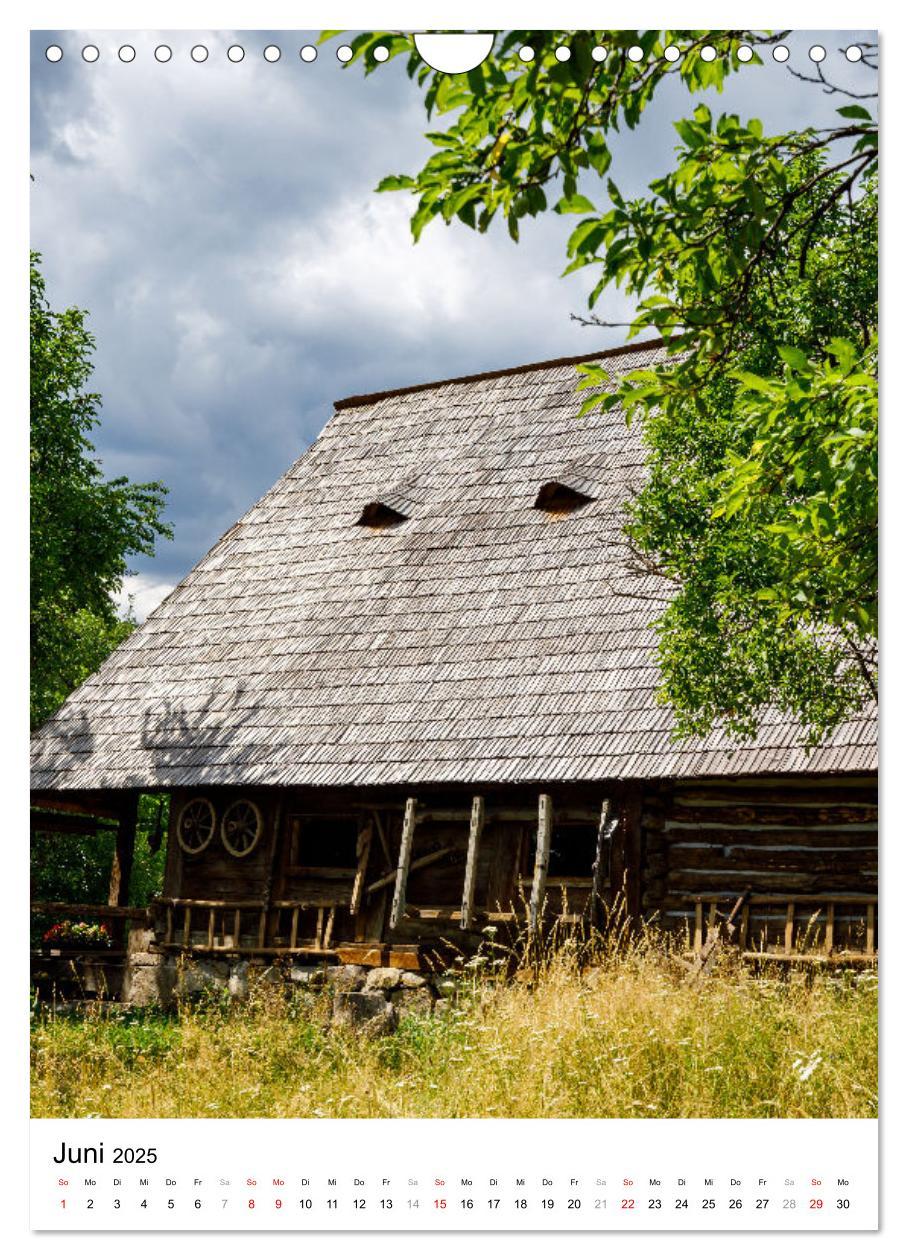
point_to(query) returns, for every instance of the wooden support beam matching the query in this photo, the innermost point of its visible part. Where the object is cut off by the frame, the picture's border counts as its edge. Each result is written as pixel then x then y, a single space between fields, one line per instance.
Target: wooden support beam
pixel 363 849
pixel 477 821
pixel 121 868
pixel 541 865
pixel 601 861
pixel 871 927
pixel 830 927
pixel 417 864
pixel 398 905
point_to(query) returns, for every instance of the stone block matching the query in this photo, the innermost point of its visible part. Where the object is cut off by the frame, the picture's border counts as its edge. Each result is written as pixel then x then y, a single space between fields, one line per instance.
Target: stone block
pixel 367 1012
pixel 345 978
pixel 383 978
pixel 150 985
pixel 306 974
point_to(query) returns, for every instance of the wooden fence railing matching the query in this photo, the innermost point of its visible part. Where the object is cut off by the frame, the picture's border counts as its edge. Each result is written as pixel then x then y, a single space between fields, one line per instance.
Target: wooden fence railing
pixel 812 941
pixel 218 926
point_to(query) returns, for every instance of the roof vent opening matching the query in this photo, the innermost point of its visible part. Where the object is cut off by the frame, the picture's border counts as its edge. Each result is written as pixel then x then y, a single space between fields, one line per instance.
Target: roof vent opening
pixel 379 515
pixel 558 497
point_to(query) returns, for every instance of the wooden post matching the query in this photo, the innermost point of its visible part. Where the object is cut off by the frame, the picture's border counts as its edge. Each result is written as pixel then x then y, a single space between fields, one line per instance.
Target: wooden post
pixel 745 926
pixel 601 861
pixel 363 847
pixel 631 849
pixel 830 927
pixel 477 821
pixel 399 904
pixel 121 867
pixel 270 872
pixel 541 866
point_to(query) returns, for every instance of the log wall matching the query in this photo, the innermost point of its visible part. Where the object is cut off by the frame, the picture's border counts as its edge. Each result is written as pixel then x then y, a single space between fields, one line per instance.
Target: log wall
pixel 799 836
pixel 675 842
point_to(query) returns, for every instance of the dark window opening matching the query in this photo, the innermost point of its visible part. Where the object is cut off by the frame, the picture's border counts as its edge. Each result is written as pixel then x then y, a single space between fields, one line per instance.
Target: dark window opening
pixel 573 850
pixel 555 496
pixel 323 843
pixel 379 516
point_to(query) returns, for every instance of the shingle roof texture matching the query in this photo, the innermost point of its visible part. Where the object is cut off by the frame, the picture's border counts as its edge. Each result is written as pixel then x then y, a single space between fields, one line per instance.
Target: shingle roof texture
pixel 479 641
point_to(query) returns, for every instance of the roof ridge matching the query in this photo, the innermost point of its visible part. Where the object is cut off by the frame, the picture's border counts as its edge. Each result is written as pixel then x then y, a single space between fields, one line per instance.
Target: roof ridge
pixel 361 400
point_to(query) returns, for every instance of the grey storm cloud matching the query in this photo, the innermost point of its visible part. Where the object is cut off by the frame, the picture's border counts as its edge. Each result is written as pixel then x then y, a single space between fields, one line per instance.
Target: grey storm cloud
pixel 219 223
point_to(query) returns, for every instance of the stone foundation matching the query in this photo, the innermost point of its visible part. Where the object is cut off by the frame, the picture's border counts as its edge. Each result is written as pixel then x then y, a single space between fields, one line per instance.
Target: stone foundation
pixel 368 998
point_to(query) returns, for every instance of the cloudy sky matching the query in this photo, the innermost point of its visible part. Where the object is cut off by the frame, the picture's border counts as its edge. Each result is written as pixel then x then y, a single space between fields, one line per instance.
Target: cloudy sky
pixel 218 221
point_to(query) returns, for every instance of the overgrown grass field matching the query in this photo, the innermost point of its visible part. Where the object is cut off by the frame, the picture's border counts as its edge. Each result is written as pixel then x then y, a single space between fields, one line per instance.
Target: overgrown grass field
pixel 624 1037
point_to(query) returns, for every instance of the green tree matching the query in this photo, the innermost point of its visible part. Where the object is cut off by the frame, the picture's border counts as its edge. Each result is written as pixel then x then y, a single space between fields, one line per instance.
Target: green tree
pixel 755 257
pixel 83 527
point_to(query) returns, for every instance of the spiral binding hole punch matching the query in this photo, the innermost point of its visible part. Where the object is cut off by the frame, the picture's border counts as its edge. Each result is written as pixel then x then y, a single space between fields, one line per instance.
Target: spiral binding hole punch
pixel 448 53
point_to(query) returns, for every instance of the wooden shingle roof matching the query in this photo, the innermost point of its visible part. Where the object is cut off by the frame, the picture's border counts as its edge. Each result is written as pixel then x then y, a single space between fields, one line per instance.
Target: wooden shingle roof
pixel 479 640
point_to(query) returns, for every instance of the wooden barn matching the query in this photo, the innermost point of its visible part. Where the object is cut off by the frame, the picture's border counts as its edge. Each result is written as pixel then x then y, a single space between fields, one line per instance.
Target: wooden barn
pixel 411 694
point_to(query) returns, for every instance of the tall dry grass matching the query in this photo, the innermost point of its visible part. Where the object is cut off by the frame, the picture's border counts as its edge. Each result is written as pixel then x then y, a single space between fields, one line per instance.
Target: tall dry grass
pixel 617 1032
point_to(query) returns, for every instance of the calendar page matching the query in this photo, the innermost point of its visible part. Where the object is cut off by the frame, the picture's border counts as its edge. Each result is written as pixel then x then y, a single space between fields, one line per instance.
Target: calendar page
pixel 454 623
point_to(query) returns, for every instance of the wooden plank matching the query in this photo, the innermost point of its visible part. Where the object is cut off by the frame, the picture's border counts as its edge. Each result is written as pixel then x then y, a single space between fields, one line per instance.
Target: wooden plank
pixel 698 927
pixel 329 929
pixel 319 926
pixel 541 864
pixel 363 849
pixel 789 927
pixel 263 926
pixel 211 914
pixel 477 822
pixel 236 927
pixel 371 954
pixel 399 901
pixel 294 926
pixel 871 927
pixel 187 926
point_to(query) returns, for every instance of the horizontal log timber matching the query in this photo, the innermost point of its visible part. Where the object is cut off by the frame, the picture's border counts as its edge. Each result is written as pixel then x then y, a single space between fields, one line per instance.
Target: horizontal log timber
pixel 822 795
pixel 91 909
pixel 86 804
pixel 741 858
pixel 720 836
pixel 69 824
pixel 717 883
pixel 766 815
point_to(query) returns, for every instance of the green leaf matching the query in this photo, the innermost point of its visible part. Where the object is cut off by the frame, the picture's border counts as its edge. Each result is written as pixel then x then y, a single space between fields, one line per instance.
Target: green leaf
pixel 577 204
pixel 795 358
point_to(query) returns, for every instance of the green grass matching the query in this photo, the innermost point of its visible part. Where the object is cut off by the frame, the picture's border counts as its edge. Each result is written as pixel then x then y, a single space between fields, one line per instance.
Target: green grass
pixel 625 1037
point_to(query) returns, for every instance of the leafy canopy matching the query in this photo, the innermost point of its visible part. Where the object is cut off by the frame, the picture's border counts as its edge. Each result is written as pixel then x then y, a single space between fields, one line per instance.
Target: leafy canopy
pixel 755 258
pixel 83 527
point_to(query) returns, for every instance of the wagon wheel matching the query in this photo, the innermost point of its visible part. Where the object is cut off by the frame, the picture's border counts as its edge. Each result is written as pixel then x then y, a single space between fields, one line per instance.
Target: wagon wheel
pixel 195 825
pixel 241 827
